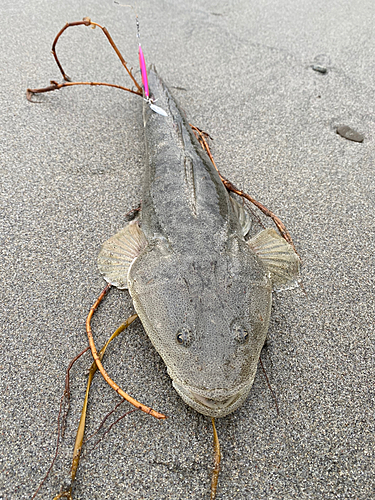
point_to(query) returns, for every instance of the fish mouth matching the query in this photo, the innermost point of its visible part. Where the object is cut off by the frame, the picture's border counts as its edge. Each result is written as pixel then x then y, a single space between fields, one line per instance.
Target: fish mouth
pixel 214 403
pixel 218 407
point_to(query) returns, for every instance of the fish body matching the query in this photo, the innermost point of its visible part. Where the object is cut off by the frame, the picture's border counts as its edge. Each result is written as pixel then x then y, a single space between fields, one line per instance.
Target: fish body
pixel 202 291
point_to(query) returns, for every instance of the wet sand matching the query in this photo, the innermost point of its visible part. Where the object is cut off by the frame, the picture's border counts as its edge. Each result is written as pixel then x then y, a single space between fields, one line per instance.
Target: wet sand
pixel 71 168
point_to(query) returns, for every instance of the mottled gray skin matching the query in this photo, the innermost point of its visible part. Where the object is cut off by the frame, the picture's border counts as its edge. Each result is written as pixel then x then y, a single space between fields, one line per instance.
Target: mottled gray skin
pixel 197 281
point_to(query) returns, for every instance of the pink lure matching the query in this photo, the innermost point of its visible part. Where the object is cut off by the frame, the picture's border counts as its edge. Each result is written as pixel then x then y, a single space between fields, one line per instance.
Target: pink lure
pixel 142 64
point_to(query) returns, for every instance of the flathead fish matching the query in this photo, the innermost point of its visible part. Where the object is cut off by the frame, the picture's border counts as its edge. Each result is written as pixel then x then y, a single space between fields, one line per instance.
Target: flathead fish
pixel 201 287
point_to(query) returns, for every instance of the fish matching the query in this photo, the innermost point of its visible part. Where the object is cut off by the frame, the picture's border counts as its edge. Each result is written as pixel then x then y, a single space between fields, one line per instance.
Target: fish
pixel 200 285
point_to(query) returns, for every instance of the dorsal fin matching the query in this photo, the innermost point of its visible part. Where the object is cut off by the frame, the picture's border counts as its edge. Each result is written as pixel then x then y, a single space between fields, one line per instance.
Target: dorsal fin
pixel 190 184
pixel 118 253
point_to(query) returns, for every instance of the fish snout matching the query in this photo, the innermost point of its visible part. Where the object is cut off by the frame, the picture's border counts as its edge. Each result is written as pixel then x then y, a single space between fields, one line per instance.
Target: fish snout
pixel 218 403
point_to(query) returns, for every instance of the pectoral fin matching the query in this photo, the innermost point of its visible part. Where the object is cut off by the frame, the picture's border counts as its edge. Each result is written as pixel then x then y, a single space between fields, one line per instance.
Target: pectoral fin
pixel 277 256
pixel 118 253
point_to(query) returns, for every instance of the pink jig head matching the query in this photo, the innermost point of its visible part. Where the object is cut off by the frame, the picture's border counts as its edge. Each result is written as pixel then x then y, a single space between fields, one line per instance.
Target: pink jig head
pixel 142 64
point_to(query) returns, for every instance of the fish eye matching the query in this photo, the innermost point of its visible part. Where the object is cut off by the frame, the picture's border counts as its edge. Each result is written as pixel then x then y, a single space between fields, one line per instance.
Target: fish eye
pixel 241 334
pixel 180 338
pixel 184 337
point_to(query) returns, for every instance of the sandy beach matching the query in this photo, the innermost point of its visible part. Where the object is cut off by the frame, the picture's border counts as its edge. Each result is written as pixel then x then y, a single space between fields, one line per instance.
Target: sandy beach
pixel 271 82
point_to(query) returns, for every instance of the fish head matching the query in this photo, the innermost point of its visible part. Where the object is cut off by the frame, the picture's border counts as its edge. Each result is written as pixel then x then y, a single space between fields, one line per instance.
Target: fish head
pixel 208 319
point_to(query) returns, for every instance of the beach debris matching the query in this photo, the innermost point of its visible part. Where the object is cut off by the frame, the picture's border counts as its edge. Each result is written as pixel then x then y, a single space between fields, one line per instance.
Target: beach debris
pixel 217 460
pixel 321 64
pixel 319 68
pixel 350 134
